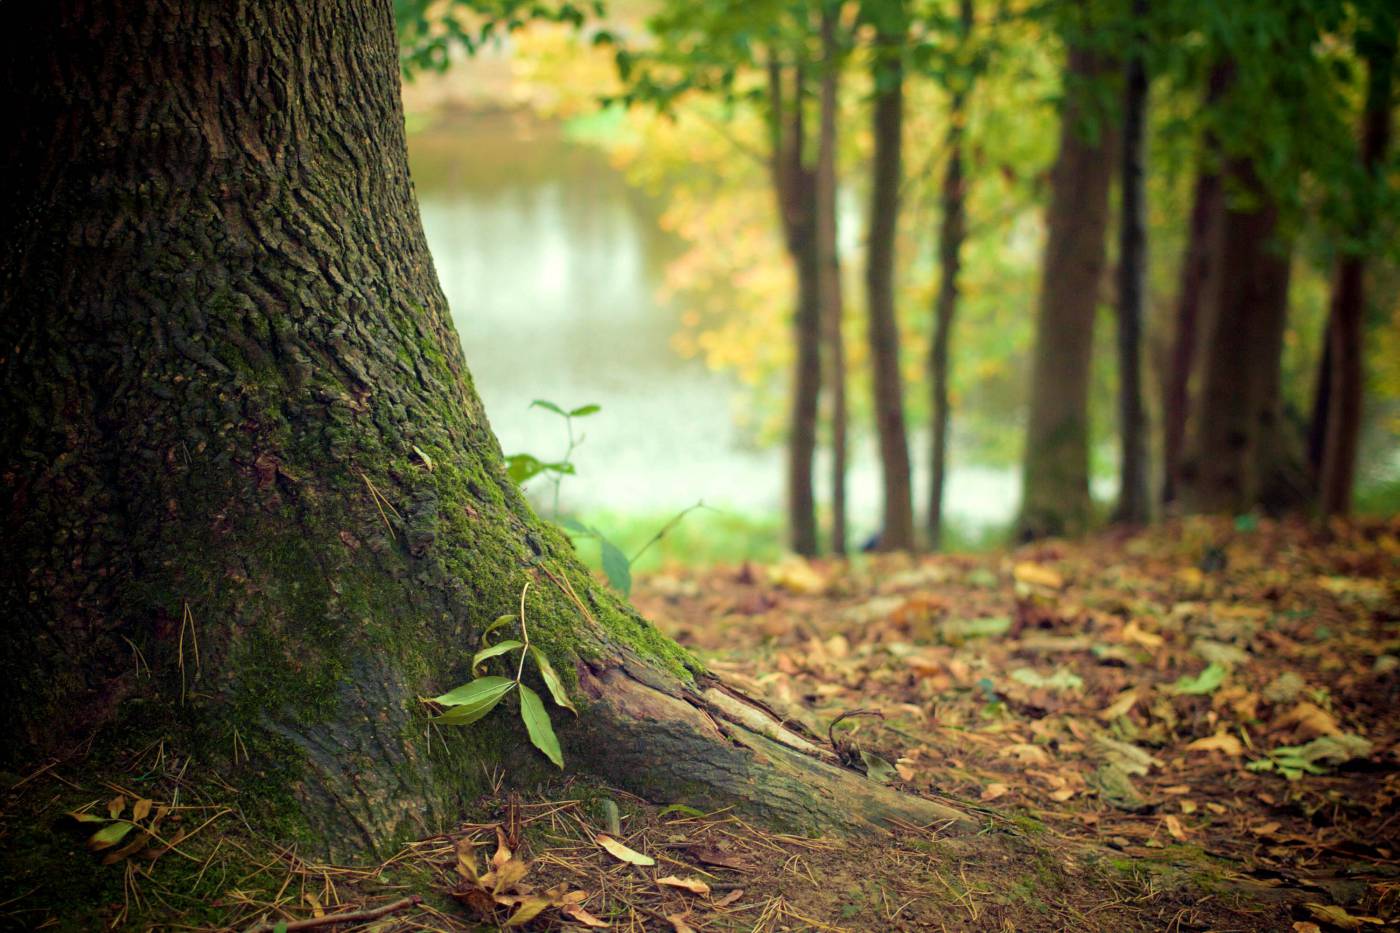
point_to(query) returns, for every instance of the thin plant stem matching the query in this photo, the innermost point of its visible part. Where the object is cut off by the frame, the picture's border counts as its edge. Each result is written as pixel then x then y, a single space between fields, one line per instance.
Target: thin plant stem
pixel 524 633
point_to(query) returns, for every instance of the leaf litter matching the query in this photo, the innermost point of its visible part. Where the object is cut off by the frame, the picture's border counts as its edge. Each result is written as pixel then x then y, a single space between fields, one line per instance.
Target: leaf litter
pixel 1151 745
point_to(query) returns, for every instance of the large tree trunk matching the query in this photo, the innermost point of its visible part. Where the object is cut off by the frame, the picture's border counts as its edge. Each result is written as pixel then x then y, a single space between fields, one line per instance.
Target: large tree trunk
pixel 1237 434
pixel 794 183
pixel 251 500
pixel 1056 465
pixel 951 234
pixel 1346 323
pixel 897 530
pixel 833 310
pixel 1198 268
pixel 1133 506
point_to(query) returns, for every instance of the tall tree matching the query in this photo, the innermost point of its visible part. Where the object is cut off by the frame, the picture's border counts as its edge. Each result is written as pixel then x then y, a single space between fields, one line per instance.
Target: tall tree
pixel 238 418
pixel 891 33
pixel 795 184
pixel 1194 282
pixel 829 281
pixel 1345 365
pixel 1133 504
pixel 1056 463
pixel 952 232
pixel 1236 427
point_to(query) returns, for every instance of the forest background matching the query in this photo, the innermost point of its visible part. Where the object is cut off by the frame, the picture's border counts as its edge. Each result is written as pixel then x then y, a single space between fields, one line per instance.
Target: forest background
pixel 618 241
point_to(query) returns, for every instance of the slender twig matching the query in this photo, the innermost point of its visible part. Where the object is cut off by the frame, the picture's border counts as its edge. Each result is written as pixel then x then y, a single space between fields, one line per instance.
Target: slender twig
pixel 354 916
pixel 664 529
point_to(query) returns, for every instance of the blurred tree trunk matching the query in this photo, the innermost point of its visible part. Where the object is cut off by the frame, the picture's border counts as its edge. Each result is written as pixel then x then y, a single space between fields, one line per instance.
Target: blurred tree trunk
pixel 897 530
pixel 1056 466
pixel 1196 281
pixel 1133 507
pixel 1237 443
pixel 795 183
pixel 1346 325
pixel 252 507
pixel 833 311
pixel 951 235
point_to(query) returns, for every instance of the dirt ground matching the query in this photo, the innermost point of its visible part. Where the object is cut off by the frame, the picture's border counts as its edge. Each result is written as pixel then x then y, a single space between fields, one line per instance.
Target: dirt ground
pixel 1190 729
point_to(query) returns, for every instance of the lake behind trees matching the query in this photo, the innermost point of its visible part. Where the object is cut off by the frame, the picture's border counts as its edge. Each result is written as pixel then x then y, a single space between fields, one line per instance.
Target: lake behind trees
pixel 553 266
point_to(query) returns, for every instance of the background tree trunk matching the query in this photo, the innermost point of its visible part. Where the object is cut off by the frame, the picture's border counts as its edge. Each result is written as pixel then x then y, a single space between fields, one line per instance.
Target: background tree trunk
pixel 1346 322
pixel 833 310
pixel 795 185
pixel 1056 465
pixel 1195 284
pixel 951 235
pixel 1133 506
pixel 897 530
pixel 252 506
pixel 1236 437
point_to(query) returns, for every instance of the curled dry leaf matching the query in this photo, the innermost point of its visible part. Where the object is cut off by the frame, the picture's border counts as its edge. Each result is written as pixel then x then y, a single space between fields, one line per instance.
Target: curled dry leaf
pixel 691 885
pixel 578 915
pixel 1220 742
pixel 678 923
pixel 623 854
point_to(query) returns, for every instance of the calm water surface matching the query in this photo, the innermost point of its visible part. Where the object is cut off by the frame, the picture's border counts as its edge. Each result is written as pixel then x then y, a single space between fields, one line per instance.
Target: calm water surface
pixel 552 266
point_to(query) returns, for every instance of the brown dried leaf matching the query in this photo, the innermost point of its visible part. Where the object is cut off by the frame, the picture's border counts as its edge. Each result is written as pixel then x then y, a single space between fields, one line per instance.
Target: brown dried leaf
pixel 1220 742
pixel 623 854
pixel 692 885
pixel 678 924
pixel 578 915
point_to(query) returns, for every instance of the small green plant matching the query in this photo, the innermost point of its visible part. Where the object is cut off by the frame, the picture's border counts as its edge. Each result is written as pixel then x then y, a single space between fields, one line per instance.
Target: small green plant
pixel 478 697
pixel 525 467
pixel 617 566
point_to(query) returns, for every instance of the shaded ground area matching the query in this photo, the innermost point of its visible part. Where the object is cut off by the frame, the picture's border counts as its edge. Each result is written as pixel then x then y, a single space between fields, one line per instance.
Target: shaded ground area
pixel 1186 730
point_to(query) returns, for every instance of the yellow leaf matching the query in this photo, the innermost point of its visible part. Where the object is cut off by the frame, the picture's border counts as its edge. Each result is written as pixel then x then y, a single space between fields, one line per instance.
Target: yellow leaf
pixel 1174 827
pixel 528 910
pixel 116 805
pixel 1037 575
pixel 1220 742
pixel 692 885
pixel 466 860
pixel 678 924
pixel 1338 917
pixel 1121 705
pixel 623 854
pixel 1148 640
pixel 995 790
pixel 141 809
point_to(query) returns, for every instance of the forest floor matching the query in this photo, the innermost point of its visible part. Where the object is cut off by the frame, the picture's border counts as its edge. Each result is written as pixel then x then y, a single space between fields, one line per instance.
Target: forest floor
pixel 1188 729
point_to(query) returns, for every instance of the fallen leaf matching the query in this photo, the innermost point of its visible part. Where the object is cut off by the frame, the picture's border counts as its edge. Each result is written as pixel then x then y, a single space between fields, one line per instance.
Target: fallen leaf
pixel 1037 575
pixel 141 809
pixel 678 924
pixel 1338 917
pixel 692 885
pixel 623 854
pixel 1174 827
pixel 729 898
pixel 1220 742
pixel 995 790
pixel 578 915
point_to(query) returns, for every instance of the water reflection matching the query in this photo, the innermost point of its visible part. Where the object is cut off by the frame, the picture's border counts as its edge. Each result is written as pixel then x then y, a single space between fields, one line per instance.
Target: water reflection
pixel 551 265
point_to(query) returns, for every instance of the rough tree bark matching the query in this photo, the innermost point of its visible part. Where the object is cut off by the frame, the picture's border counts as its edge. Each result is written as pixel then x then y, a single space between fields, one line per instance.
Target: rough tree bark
pixel 833 310
pixel 897 529
pixel 795 183
pixel 1056 464
pixel 1133 506
pixel 1195 283
pixel 951 234
pixel 1236 431
pixel 237 414
pixel 1345 368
